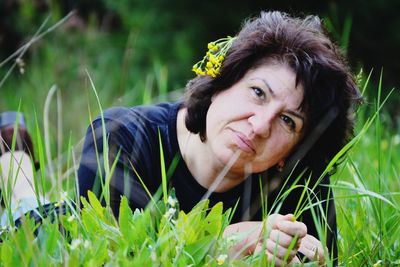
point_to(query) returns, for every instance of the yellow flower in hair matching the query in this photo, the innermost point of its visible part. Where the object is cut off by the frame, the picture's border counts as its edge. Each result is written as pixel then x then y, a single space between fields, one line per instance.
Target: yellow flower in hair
pixel 212 72
pixel 212 61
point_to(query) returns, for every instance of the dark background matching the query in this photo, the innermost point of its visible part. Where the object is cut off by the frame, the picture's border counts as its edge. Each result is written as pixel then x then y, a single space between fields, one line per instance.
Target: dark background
pixel 176 32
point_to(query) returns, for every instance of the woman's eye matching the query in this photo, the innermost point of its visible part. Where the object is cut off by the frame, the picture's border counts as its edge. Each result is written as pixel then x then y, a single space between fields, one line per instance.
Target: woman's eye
pixel 258 92
pixel 289 122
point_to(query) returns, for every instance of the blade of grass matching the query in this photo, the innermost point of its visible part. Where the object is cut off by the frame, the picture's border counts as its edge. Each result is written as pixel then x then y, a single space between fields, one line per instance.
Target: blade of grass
pixel 163 171
pixel 47 138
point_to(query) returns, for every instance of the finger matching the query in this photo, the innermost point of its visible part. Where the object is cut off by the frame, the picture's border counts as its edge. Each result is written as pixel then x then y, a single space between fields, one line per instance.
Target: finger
pixel 309 239
pixel 293 228
pixel 289 217
pixel 313 244
pixel 312 249
pixel 247 235
pixel 273 260
pixel 258 248
pixel 295 260
pixel 273 219
pixel 313 254
pixel 279 251
pixel 283 239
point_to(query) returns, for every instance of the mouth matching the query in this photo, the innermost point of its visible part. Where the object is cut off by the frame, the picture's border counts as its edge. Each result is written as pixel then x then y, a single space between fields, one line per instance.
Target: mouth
pixel 243 142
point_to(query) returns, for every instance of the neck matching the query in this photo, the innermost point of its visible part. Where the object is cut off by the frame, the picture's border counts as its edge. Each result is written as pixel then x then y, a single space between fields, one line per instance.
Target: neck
pixel 206 170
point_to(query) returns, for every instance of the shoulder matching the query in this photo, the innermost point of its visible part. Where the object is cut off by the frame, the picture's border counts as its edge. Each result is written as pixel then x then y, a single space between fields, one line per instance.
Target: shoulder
pixel 144 114
pixel 139 117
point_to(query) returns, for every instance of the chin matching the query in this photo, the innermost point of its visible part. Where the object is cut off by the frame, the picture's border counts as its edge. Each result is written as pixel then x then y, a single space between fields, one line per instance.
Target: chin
pixel 238 166
pixel 224 155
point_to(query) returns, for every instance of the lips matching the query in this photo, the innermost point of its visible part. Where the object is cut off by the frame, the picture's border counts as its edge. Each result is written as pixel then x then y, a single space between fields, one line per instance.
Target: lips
pixel 243 142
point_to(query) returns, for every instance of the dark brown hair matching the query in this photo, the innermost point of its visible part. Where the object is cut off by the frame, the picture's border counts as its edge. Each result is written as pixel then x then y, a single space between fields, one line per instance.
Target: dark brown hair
pixel 301 44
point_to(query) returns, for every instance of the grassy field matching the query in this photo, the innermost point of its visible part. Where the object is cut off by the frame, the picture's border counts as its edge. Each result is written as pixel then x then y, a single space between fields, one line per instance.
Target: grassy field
pixel 55 93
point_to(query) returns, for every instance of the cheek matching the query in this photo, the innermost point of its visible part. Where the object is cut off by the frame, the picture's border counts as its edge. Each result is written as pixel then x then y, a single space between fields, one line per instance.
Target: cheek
pixel 217 113
pixel 211 120
pixel 280 144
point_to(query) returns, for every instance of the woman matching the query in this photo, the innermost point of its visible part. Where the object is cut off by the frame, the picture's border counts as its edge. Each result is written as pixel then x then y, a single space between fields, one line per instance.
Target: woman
pixel 266 106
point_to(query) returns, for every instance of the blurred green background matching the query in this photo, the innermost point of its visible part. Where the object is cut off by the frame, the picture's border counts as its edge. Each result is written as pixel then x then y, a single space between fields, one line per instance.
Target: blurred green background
pixel 140 51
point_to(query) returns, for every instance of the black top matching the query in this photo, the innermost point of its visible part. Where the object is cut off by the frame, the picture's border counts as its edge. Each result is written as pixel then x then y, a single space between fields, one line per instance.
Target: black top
pixel 133 135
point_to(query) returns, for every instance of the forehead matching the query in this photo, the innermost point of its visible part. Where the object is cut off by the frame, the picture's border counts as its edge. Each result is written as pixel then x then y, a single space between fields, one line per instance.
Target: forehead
pixel 279 78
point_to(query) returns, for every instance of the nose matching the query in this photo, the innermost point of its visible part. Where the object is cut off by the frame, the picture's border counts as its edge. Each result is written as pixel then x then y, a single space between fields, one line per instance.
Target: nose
pixel 261 122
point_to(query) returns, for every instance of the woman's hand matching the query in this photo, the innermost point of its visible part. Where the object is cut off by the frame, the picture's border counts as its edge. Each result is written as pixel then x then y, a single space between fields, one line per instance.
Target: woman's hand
pixel 282 232
pixel 245 235
pixel 312 248
pixel 285 233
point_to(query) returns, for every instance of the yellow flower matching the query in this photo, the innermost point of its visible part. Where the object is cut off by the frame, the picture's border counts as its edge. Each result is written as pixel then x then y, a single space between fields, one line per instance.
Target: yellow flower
pixel 215 48
pixel 221 259
pixel 213 60
pixel 212 72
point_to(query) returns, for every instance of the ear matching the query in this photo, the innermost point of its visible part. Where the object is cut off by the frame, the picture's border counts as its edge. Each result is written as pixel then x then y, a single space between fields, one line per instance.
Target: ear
pixel 213 97
pixel 281 165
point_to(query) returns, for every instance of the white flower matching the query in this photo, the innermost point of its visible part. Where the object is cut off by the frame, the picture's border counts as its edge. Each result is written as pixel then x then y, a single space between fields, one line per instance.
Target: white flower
pixel 75 243
pixel 221 259
pixel 71 218
pixel 172 201
pixel 170 213
pixel 63 197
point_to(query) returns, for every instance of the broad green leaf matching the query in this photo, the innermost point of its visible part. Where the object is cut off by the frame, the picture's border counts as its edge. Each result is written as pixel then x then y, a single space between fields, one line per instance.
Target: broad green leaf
pixel 48 237
pixel 213 222
pixel 99 253
pixel 199 249
pixel 95 203
pixel 125 219
pixel 6 254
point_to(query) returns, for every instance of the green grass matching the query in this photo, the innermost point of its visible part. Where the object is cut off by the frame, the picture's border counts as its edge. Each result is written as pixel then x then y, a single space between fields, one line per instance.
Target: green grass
pixel 366 186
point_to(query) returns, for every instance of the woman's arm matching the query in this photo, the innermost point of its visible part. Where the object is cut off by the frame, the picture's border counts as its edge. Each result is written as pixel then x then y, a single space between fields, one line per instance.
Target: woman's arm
pixel 125 148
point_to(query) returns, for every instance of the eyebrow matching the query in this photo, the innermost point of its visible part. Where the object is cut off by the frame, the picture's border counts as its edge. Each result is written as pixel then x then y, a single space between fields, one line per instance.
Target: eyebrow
pixel 291 112
pixel 296 114
pixel 267 85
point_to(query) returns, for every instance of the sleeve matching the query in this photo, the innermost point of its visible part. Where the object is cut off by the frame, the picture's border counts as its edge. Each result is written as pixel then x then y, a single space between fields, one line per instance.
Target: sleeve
pixel 128 149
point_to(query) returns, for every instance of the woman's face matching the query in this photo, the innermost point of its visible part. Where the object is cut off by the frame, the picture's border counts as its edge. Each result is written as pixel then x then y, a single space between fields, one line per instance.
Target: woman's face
pixel 259 116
